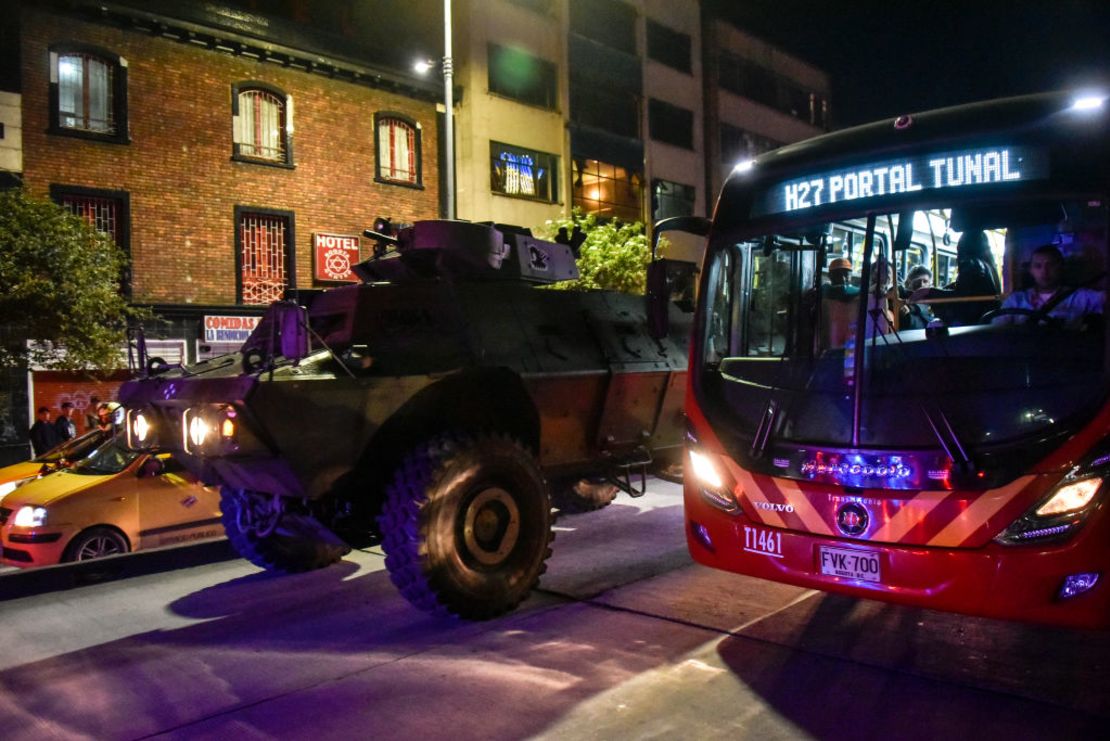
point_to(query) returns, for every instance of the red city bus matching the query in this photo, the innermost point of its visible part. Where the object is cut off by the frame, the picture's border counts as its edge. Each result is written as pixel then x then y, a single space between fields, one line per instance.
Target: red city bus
pixel 947 449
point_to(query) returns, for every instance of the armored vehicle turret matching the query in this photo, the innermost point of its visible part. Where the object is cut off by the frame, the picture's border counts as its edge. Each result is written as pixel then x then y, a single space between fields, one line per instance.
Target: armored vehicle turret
pixel 432 406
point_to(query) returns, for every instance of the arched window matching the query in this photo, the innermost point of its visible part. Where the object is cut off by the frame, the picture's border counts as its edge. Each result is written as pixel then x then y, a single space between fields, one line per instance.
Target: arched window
pixel 88 92
pixel 398 149
pixel 262 122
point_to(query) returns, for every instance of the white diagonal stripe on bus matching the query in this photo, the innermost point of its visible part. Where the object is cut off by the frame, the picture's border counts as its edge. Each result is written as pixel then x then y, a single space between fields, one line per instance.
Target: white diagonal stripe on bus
pixel 804 508
pixel 909 515
pixel 981 510
pixel 753 493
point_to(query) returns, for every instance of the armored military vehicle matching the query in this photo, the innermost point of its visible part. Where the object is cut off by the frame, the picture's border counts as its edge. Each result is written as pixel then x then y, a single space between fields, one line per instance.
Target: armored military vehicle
pixel 431 406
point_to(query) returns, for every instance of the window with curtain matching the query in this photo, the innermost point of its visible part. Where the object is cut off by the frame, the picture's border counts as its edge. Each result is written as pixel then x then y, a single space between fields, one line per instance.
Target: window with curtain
pixel 398 149
pixel 261 122
pixel 85 93
pixel 88 93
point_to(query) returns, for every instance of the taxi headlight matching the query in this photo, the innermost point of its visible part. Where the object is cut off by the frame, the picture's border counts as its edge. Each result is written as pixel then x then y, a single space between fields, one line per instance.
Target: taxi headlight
pixel 30 517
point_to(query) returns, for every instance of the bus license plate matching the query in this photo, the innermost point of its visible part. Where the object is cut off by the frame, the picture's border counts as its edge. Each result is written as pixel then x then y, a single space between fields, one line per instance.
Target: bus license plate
pixel 850 564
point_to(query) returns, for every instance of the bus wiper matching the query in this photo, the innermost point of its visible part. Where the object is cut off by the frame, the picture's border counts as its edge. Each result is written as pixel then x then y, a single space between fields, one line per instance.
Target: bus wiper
pixel 763 431
pixel 947 437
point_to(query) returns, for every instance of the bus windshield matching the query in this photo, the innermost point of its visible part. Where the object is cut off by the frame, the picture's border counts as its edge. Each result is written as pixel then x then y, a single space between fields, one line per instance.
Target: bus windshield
pixel 898 329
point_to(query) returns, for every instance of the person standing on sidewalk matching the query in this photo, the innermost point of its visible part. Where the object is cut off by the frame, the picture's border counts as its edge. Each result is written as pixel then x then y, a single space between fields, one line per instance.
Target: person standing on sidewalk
pixel 67 428
pixel 44 434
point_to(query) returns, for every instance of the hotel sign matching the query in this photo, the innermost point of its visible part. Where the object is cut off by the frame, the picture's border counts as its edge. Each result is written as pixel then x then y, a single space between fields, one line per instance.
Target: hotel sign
pixel 332 257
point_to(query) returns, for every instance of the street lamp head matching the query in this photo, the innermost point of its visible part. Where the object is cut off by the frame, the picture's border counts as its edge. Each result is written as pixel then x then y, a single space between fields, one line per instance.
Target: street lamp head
pixel 423 66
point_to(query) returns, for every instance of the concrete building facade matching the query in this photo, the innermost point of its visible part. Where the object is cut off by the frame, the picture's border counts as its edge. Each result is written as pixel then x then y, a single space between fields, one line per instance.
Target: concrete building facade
pixel 634 109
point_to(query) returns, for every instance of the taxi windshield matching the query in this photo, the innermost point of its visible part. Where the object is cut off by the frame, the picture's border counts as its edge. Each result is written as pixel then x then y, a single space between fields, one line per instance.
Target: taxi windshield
pixel 110 458
pixel 74 449
pixel 880 330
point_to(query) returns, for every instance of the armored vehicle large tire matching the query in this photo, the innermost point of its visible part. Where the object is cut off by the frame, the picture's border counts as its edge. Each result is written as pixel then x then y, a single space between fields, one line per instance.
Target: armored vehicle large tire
pixel 466 526
pixel 292 543
pixel 583 495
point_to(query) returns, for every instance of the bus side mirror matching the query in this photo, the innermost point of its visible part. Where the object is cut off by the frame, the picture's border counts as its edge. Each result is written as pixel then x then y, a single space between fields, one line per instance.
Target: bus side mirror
pixel 658 300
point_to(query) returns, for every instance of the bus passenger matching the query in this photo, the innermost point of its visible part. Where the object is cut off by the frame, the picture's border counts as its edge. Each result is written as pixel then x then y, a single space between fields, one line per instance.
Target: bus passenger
pixel 880 316
pixel 976 277
pixel 839 304
pixel 916 316
pixel 1069 305
pixel 840 288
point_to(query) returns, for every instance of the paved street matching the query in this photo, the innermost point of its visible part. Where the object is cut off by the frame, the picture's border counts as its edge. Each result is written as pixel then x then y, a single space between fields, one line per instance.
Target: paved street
pixel 626 639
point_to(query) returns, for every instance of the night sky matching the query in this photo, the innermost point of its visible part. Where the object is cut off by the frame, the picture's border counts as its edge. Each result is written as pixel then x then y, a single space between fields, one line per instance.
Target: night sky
pixel 898 56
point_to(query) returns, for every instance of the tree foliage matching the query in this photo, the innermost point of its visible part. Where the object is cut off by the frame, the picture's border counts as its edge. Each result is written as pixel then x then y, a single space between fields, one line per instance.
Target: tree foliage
pixel 614 256
pixel 59 287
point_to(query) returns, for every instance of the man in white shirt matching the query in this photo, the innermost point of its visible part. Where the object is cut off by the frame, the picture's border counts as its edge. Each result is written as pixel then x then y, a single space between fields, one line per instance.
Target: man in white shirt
pixel 1045 266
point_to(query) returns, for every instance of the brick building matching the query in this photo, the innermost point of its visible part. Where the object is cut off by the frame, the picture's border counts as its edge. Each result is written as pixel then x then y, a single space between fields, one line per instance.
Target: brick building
pixel 230 154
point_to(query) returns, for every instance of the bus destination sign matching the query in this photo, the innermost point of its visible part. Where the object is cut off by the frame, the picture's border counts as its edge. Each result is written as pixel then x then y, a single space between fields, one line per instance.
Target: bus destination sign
pixel 937 171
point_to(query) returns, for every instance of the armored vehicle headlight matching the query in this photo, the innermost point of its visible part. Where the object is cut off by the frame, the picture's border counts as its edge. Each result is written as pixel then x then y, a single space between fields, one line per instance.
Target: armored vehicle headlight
pixel 210 429
pixel 198 431
pixel 141 429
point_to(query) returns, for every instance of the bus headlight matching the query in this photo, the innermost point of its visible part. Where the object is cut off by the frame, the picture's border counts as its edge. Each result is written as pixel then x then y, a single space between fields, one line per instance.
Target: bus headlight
pixel 1056 516
pixel 713 483
pixel 1070 497
pixel 30 517
pixel 704 471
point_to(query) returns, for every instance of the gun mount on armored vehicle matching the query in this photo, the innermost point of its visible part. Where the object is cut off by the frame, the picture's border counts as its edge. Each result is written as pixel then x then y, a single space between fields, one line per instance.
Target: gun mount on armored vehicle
pixel 431 406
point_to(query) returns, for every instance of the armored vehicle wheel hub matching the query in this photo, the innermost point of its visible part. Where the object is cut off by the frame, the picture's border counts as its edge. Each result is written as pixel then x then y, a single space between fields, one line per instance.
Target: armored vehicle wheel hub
pixel 491 526
pixel 258 515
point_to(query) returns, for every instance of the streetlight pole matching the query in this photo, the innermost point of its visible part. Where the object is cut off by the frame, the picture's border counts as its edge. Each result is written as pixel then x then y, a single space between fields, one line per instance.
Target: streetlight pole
pixel 449 113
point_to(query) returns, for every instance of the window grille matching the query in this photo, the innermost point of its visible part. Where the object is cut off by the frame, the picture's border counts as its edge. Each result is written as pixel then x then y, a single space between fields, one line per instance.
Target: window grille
pixel 260 127
pixel 397 150
pixel 263 270
pixel 102 214
pixel 85 85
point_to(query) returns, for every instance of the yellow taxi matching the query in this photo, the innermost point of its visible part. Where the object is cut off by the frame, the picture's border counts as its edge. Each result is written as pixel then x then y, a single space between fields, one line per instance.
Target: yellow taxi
pixel 114 501
pixel 60 456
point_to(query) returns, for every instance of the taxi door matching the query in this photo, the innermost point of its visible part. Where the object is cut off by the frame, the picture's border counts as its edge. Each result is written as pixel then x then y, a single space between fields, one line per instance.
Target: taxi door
pixel 173 506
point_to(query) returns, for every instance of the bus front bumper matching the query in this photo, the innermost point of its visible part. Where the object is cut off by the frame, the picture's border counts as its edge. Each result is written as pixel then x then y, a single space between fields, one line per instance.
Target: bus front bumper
pixel 1025 583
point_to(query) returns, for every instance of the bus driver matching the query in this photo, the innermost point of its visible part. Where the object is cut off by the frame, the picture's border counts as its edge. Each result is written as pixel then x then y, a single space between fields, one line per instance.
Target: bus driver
pixel 1067 304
